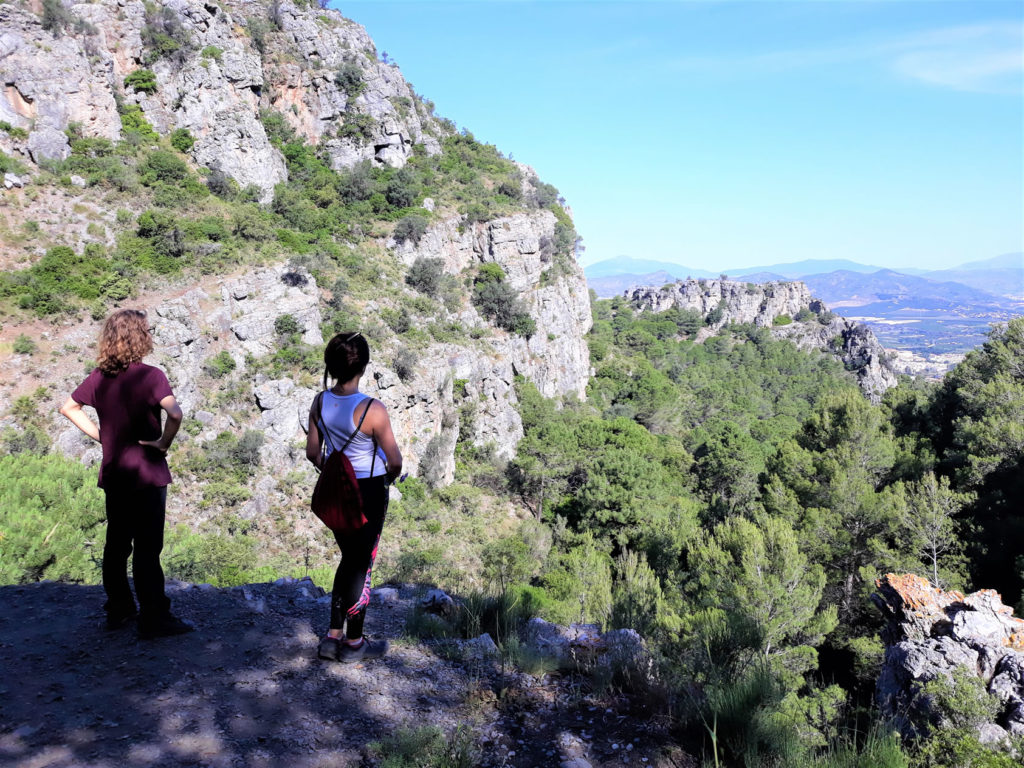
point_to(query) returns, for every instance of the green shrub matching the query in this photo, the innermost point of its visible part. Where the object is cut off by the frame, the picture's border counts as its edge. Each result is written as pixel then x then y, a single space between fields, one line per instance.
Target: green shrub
pixel 163 34
pixel 220 365
pixel 23 345
pixel 716 314
pixel 135 126
pixel 357 126
pixel 225 494
pixel 404 363
pixel 803 315
pixel 401 189
pixel 10 164
pixel 782 320
pixel 51 517
pixel 141 81
pixel 259 30
pixel 182 139
pixel 212 558
pixel 277 127
pixel 212 52
pixel 498 302
pixel 565 232
pixel 580 585
pixel 163 166
pixel 286 326
pixel 425 275
pixel 13 131
pixel 400 321
pixel 349 78
pixel 236 456
pixel 411 227
pixel 424 747
pixel 56 17
pixel 491 272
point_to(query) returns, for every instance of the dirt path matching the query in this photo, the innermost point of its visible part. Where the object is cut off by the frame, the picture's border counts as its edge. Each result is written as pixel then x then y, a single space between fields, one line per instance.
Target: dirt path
pixel 246 689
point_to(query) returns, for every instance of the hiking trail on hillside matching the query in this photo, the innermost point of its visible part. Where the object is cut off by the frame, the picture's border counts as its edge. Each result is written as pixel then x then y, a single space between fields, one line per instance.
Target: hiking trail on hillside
pixel 247 689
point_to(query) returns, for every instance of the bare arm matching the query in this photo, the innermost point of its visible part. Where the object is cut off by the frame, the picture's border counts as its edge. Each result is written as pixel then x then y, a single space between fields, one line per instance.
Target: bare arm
pixel 313 440
pixel 73 412
pixel 171 425
pixel 380 424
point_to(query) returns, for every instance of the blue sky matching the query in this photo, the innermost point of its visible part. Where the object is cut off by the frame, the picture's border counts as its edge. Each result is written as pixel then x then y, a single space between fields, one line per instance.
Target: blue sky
pixel 729 134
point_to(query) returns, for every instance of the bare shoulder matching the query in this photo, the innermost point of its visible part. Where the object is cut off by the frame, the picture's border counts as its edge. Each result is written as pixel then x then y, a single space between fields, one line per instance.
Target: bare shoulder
pixel 378 412
pixel 314 406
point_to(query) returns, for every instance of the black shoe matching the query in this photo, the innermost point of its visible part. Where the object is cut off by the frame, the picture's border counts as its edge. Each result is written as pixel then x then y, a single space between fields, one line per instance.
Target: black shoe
pixel 368 649
pixel 328 648
pixel 122 619
pixel 166 626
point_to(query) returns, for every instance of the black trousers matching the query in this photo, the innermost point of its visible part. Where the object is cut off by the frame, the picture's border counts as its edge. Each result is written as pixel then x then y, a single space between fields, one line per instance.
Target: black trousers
pixel 351 594
pixel 135 524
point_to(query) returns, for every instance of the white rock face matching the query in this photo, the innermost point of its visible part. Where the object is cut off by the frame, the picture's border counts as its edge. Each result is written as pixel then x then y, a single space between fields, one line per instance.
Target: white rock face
pixel 556 358
pixel 757 304
pixel 215 85
pixel 186 329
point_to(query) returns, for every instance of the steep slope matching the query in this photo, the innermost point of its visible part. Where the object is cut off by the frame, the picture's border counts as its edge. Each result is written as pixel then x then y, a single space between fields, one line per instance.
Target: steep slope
pixel 789 310
pixel 254 176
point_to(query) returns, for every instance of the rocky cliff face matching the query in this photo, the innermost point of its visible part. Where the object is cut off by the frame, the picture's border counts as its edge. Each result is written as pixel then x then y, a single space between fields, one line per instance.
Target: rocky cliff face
pixel 721 302
pixel 321 74
pixel 228 66
pixel 930 634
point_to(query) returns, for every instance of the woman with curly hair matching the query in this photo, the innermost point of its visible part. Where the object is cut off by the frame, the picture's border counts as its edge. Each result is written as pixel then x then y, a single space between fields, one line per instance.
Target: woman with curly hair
pixel 128 396
pixel 343 418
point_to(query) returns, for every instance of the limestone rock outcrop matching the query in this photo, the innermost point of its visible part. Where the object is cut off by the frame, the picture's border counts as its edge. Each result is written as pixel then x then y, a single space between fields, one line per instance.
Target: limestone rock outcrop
pixel 931 633
pixel 721 302
pixel 556 358
pixel 230 63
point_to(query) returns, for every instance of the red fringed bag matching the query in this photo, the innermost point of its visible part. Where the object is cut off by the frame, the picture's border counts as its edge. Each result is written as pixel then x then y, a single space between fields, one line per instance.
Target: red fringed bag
pixel 336 497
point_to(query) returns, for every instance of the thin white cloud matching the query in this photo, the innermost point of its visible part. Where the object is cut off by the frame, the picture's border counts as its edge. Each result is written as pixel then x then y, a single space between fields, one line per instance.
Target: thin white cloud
pixel 986 58
pixel 983 58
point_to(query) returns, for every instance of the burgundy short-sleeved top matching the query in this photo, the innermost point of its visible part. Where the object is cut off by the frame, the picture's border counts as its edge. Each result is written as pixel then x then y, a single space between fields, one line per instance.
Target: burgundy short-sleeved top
pixel 128 405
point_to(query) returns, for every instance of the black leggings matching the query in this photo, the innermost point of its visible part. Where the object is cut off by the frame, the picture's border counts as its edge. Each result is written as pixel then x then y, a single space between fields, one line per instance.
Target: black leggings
pixel 135 526
pixel 351 593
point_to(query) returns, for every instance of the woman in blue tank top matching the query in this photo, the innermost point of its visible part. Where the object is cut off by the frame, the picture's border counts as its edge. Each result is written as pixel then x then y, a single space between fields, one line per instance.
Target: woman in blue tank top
pixel 347 417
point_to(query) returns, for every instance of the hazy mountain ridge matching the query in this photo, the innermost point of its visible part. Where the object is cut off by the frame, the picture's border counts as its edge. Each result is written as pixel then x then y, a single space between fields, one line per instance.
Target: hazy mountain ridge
pixel 930 313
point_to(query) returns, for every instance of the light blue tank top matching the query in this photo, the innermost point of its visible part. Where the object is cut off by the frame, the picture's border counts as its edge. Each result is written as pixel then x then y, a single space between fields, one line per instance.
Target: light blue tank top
pixel 339 414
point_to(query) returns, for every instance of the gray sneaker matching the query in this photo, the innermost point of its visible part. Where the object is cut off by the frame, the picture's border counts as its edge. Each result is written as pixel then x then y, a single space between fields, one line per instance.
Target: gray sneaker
pixel 369 649
pixel 328 648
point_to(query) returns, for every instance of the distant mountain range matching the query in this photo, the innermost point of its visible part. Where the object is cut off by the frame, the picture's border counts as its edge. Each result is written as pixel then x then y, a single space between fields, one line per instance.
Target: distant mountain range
pixel 1001 276
pixel 924 311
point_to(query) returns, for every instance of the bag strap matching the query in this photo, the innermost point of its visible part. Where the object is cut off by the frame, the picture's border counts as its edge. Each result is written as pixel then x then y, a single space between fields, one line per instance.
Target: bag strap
pixel 351 437
pixel 322 425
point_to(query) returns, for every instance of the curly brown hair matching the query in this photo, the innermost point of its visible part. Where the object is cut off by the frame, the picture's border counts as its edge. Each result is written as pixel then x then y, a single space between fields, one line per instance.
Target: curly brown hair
pixel 124 340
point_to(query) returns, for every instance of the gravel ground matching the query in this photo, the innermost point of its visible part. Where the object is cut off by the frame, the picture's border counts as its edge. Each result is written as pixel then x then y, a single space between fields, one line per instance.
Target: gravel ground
pixel 246 689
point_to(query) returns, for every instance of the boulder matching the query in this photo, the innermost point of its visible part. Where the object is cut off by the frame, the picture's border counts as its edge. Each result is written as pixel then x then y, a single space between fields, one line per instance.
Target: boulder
pixel 438 601
pixel 931 633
